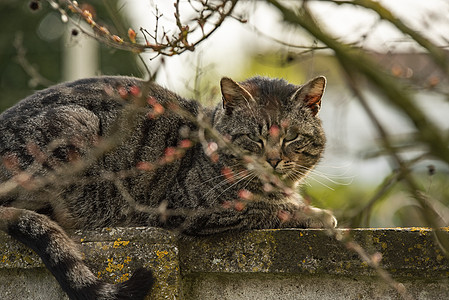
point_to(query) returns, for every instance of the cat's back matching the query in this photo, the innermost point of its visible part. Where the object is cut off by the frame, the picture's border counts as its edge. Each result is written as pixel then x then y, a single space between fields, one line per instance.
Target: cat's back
pixel 79 112
pixel 79 108
pixel 96 94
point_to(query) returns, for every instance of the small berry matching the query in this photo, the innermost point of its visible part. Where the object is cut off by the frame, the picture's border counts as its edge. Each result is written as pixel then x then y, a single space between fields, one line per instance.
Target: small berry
pixel 186 143
pixel 274 131
pixel 135 91
pixel 132 35
pixel 122 92
pixel 151 100
pixel 245 194
pixel 239 206
pixel 228 174
pixel 104 30
pixel 158 109
pixel 117 39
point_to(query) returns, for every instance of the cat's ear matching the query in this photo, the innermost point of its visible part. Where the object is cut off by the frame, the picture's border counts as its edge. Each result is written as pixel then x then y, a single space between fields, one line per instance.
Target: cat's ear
pixel 311 93
pixel 234 94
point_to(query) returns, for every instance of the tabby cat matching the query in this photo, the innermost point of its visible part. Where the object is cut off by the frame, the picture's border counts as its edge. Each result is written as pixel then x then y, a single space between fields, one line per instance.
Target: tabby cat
pixel 119 151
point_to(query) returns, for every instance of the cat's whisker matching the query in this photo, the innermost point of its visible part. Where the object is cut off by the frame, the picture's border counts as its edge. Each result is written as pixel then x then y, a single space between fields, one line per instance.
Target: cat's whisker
pixel 333 178
pixel 249 181
pixel 300 178
pixel 301 174
pixel 252 175
pixel 345 167
pixel 319 182
pixel 225 181
pixel 311 177
pixel 224 175
pixel 334 181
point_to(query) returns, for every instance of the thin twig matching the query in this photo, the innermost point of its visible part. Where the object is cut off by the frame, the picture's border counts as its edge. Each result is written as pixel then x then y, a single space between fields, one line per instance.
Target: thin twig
pixel 36 77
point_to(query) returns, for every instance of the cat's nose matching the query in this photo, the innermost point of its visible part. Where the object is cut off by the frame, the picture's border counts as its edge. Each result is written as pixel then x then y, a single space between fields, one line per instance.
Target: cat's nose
pixel 274 162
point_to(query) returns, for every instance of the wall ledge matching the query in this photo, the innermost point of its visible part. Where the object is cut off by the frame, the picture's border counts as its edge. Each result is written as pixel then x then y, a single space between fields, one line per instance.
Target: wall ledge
pixel 261 264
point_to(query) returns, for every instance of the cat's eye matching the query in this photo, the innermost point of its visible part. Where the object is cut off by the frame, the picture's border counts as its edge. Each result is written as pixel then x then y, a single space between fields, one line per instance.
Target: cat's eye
pixel 290 136
pixel 255 138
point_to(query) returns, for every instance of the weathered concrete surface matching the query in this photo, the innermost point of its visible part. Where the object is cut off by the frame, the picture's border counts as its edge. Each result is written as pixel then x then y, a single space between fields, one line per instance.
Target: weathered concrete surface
pixel 35 283
pixel 296 287
pixel 405 252
pixel 265 264
pixel 308 264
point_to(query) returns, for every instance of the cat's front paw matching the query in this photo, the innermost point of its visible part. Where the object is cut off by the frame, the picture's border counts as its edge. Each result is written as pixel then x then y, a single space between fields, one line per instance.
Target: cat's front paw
pixel 321 218
pixel 312 217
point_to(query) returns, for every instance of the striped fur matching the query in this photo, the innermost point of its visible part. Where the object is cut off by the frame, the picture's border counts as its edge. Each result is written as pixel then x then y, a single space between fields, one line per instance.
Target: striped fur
pixel 62 257
pixel 162 170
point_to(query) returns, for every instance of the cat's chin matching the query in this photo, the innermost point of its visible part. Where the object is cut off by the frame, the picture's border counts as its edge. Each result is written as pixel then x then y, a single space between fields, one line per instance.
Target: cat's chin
pixel 284 175
pixel 284 180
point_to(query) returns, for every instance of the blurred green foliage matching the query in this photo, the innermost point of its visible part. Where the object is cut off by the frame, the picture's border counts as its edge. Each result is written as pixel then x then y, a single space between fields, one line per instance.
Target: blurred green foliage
pixel 396 207
pixel 42 37
pixel 293 67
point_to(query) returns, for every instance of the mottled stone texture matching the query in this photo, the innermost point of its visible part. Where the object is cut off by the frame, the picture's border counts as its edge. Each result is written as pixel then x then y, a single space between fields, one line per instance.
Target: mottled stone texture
pixel 113 254
pixel 264 264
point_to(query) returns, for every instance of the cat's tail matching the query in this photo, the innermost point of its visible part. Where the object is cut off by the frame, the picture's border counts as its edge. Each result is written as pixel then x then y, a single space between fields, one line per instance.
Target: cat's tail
pixel 61 256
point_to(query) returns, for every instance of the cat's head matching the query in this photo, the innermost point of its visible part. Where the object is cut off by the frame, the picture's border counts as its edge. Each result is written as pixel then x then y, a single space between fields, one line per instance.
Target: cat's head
pixel 275 121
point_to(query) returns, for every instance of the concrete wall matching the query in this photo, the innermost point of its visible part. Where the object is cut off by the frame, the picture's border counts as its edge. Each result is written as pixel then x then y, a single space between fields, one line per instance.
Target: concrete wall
pixel 265 264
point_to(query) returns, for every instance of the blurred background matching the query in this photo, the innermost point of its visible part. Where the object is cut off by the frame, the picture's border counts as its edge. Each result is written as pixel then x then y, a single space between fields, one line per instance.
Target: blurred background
pixel 385 163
